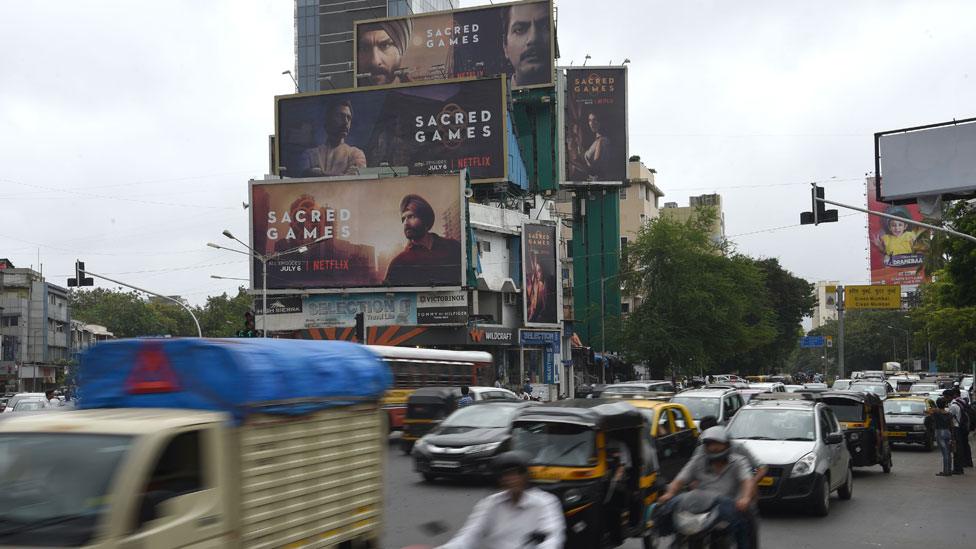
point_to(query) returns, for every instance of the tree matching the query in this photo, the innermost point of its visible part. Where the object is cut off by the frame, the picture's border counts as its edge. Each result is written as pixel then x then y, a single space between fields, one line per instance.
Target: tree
pixel 700 306
pixel 871 338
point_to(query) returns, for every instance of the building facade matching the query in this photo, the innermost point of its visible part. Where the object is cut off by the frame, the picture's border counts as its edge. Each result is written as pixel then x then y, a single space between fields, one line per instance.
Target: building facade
pixel 35 325
pixel 826 307
pixel 683 213
pixel 324 36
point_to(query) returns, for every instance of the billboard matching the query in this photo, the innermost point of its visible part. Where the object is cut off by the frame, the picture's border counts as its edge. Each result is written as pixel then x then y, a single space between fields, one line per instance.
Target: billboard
pixel 937 159
pixel 412 130
pixel 539 274
pixel 359 234
pixel 515 39
pixel 595 125
pixel 897 248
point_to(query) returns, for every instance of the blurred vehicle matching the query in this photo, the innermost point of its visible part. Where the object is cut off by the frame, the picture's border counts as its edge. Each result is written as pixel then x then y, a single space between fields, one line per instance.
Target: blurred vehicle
pixel 861 414
pixel 815 387
pixel 907 420
pixel 881 389
pixel 3 403
pixel 203 443
pixel 793 388
pixel 873 374
pixel 631 387
pixel 930 390
pixel 785 379
pixel 465 443
pixel 575 448
pixel 841 384
pixel 966 384
pixel 901 384
pixel 30 405
pixel 748 394
pixel 720 403
pixel 20 396
pixel 802 444
pixel 427 407
pixel 769 387
pixel 596 390
pixel 673 430
pixel 480 394
pixel 414 368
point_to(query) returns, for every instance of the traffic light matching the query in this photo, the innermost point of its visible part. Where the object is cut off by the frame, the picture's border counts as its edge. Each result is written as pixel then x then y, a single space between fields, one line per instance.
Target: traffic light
pixel 79 278
pixel 249 329
pixel 817 214
pixel 361 327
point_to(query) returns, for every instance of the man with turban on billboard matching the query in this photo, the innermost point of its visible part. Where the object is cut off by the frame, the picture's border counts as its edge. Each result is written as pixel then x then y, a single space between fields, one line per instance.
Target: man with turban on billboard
pixel 428 259
pixel 380 50
pixel 335 156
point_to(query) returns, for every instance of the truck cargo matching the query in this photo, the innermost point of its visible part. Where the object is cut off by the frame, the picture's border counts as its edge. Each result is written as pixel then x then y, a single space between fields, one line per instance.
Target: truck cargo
pixel 203 443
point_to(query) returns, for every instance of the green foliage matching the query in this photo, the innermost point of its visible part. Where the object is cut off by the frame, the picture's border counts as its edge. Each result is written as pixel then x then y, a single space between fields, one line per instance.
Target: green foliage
pixel 701 307
pixel 129 314
pixel 871 338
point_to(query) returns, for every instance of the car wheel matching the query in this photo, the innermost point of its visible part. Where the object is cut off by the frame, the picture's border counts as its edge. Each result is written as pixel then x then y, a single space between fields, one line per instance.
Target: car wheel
pixel 429 477
pixel 847 489
pixel 820 504
pixel 886 464
pixel 930 442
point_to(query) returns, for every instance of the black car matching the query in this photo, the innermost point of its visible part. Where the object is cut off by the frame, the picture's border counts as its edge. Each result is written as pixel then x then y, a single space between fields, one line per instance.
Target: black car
pixel 465 443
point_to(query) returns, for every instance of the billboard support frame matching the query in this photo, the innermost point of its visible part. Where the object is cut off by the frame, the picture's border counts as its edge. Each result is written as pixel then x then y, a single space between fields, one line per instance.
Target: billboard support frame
pixel 877 160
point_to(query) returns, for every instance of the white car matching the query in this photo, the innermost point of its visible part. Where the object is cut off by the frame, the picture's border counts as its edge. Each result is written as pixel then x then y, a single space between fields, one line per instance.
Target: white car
pixel 491 393
pixel 22 396
pixel 773 387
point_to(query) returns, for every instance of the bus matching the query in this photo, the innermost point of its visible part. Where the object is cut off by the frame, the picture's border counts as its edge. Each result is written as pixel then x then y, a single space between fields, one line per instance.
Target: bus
pixel 414 368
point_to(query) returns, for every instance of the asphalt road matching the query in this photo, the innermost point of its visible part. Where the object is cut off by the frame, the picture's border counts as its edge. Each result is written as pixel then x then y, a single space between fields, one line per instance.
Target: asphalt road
pixel 909 508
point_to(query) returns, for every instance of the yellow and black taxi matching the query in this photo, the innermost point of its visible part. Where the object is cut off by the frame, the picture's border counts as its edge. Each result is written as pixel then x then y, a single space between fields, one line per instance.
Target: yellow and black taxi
pixel 576 449
pixel 426 408
pixel 861 414
pixel 672 428
pixel 908 420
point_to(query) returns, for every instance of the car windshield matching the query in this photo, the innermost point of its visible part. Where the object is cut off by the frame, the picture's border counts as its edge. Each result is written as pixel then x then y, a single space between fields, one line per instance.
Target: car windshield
pixel 924 388
pixel 29 405
pixel 563 444
pixel 50 497
pixel 876 388
pixel 848 411
pixel 904 407
pixel 699 406
pixel 773 424
pixel 481 416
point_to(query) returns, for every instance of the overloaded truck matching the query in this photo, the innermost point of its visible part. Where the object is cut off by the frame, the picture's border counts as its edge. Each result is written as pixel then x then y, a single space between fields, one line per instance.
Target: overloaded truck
pixel 203 443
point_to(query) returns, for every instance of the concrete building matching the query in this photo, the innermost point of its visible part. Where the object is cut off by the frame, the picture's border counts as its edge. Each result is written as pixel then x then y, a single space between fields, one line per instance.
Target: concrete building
pixel 639 204
pixel 826 307
pixel 34 329
pixel 324 34
pixel 683 213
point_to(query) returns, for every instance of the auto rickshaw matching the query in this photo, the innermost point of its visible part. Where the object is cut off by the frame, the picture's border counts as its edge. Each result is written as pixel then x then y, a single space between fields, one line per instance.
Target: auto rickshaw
pixel 575 447
pixel 861 415
pixel 426 408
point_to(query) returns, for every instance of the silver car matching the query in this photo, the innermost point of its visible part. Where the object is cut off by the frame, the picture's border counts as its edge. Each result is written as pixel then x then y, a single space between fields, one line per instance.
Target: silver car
pixel 802 443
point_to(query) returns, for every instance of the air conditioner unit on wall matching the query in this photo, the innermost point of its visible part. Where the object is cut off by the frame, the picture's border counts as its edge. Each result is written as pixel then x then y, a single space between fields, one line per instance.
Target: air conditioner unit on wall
pixel 510 299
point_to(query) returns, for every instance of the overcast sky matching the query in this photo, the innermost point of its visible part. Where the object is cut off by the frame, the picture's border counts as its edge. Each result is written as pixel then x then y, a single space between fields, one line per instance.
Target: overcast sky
pixel 129 129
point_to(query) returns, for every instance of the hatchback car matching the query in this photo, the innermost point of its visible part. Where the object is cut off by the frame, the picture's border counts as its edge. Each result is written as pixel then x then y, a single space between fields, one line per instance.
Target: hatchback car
pixel 21 396
pixel 907 420
pixel 720 403
pixel 802 444
pixel 465 443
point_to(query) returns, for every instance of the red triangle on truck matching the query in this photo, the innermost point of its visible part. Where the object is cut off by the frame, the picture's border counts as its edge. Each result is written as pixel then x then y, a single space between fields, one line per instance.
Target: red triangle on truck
pixel 152 373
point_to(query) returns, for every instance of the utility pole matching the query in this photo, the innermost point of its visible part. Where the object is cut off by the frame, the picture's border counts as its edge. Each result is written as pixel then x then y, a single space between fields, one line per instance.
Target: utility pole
pixel 840 332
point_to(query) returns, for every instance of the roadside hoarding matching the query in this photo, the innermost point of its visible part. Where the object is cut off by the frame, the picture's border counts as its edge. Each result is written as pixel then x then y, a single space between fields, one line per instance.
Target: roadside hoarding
pixel 361 234
pixel 872 297
pixel 515 39
pixel 539 274
pixel 595 125
pixel 932 160
pixel 897 248
pixel 411 130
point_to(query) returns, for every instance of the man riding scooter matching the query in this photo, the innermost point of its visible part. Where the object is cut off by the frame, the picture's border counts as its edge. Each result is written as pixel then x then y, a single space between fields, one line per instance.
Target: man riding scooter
pixel 721 472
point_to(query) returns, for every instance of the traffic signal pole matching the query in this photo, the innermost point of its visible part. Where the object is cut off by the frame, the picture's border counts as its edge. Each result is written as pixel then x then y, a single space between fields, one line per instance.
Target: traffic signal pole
pixel 840 332
pixel 143 290
pixel 896 218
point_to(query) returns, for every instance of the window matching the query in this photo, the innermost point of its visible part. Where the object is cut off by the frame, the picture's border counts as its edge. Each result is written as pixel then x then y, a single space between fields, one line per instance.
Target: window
pixel 485 245
pixel 51 299
pixel 647 194
pixel 623 242
pixel 623 193
pixel 625 307
pixel 569 247
pixel 679 420
pixel 664 424
pixel 179 471
pixel 9 321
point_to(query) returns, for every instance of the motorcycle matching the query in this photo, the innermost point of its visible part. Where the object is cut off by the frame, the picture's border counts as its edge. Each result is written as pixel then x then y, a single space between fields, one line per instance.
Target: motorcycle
pixel 697 524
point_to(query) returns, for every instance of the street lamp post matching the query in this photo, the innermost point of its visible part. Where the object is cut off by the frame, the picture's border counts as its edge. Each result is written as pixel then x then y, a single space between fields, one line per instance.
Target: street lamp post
pixel 908 351
pixel 263 258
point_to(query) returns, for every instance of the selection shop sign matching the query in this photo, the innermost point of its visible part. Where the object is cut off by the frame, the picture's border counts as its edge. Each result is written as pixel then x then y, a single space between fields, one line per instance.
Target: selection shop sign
pixel 386 309
pixel 549 339
pixel 886 296
pixel 812 342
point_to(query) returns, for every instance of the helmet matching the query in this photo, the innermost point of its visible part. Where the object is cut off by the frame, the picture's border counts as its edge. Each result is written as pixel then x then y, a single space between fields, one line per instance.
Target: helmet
pixel 715 434
pixel 508 461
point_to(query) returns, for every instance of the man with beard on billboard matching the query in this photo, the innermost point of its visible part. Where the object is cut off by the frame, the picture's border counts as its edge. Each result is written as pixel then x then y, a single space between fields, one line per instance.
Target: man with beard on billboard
pixel 335 156
pixel 380 50
pixel 428 259
pixel 526 43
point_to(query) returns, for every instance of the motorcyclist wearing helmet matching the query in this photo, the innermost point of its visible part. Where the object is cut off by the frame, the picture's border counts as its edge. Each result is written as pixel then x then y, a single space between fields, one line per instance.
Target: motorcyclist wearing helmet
pixel 518 516
pixel 721 472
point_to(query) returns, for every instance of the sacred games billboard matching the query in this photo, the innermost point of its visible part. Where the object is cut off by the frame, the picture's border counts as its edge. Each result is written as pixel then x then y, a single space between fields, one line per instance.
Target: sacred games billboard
pixel 515 39
pixel 595 125
pixel 360 234
pixel 416 130
pixel 539 274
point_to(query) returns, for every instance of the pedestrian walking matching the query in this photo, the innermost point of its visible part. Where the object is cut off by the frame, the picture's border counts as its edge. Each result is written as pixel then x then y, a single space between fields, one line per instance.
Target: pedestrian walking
pixel 942 421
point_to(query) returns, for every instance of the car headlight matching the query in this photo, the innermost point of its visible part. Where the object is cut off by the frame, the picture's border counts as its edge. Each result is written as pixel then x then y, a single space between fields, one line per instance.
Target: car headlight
pixel 805 465
pixel 572 496
pixel 421 444
pixel 483 448
pixel 918 428
pixel 855 436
